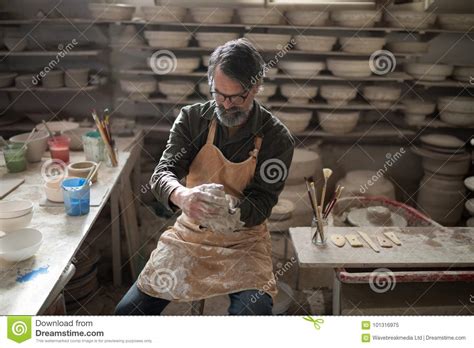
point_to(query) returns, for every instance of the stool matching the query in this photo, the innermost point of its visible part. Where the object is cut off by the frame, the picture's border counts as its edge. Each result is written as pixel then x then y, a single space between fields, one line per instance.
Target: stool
pixel 197 307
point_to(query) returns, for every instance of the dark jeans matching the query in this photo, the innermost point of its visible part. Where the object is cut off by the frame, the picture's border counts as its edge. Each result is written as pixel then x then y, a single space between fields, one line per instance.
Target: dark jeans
pixel 248 302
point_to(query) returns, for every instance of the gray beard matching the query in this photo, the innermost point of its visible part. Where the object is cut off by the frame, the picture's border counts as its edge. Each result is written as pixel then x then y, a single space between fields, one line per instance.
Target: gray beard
pixel 235 117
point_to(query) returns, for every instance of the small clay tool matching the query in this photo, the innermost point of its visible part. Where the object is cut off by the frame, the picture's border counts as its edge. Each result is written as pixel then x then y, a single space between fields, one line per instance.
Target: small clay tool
pixel 393 237
pixel 354 241
pixel 338 240
pixel 384 242
pixel 369 241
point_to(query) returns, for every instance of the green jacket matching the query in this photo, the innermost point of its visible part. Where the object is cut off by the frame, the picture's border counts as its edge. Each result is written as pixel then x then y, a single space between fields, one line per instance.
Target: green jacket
pixel 189 133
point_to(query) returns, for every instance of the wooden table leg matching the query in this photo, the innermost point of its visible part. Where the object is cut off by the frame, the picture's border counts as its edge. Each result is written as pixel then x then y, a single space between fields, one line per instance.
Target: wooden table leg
pixel 116 251
pixel 336 296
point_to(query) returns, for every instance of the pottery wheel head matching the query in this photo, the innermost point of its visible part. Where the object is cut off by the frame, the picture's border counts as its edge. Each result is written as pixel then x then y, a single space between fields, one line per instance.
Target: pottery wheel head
pixel 379 215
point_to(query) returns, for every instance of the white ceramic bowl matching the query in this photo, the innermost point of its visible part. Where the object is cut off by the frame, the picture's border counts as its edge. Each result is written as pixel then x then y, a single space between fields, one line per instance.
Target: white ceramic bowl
pixel 36 147
pixel 294 90
pixel 163 14
pixel 184 65
pixel 54 192
pixel 456 104
pixel 381 96
pixel 363 45
pixel 142 84
pixel 213 40
pixel 53 79
pixel 21 245
pixel 175 89
pixel 268 42
pixel 111 12
pixel 24 81
pixel 458 119
pixel 315 43
pixel 456 21
pixel 410 19
pixel 295 121
pixel 268 89
pixel 356 18
pixel 82 170
pixel 305 163
pixel 307 18
pixel 15 223
pixel 417 106
pixel 301 68
pixel 338 94
pixel 258 15
pixel 349 67
pixel 338 122
pixel 212 15
pixel 408 47
pixel 75 135
pixel 204 89
pixel 12 209
pixel 428 72
pixel 463 73
pixel 58 126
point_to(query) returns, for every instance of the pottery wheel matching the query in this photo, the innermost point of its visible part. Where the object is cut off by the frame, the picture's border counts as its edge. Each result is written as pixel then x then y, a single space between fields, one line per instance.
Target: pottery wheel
pixel 375 216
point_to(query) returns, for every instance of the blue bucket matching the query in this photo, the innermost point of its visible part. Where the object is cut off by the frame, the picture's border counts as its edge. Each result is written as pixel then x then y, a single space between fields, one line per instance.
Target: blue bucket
pixel 76 196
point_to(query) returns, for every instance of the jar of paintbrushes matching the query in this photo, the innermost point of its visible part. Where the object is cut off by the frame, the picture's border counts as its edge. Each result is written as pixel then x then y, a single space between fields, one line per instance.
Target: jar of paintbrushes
pixel 319 224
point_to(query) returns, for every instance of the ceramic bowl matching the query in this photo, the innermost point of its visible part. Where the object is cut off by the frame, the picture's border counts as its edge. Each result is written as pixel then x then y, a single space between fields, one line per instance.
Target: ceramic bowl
pixel 268 90
pixel 301 68
pixel 413 47
pixel 24 81
pixel 54 192
pixel 21 245
pixel 469 183
pixel 294 90
pixel 356 18
pixel 338 95
pixel 349 67
pixel 305 163
pixel 7 79
pixel 82 170
pixel 268 42
pixel 259 15
pixel 53 79
pixel 458 119
pixel 76 78
pixel 463 73
pixel 182 66
pixel 456 21
pixel 381 96
pixel 315 43
pixel 111 12
pixel 338 122
pixel 212 15
pixel 15 43
pixel 410 19
pixel 15 223
pixel 307 18
pixel 176 89
pixel 12 209
pixel 163 14
pixel 428 72
pixel 363 45
pixel 295 121
pixel 36 147
pixel 417 106
pixel 456 104
pixel 145 85
pixel 213 40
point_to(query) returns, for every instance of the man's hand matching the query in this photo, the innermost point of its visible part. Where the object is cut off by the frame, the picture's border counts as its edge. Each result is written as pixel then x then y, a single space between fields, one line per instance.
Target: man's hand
pixel 200 205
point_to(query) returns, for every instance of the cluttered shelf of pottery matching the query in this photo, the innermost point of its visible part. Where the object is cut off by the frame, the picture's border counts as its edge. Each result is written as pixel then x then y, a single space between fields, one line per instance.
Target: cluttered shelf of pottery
pixel 430 122
pixel 290 52
pixel 363 132
pixel 447 83
pixel 43 89
pixel 380 28
pixel 49 53
pixel 69 21
pixel 435 247
pixel 394 76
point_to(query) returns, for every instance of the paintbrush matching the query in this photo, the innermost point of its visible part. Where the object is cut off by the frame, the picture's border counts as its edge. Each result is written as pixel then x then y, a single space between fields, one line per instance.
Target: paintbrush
pixel 327 174
pixel 332 199
pixel 333 203
pixel 318 209
pixel 107 144
pixel 308 188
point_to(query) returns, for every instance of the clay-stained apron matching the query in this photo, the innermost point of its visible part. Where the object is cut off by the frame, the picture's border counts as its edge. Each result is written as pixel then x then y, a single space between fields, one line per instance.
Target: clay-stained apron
pixel 191 262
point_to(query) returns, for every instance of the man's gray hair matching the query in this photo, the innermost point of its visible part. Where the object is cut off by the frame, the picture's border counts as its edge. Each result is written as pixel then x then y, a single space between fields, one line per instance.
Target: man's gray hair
pixel 239 60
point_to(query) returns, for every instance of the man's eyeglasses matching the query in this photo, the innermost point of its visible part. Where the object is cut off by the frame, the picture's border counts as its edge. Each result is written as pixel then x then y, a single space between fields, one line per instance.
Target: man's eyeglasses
pixel 236 99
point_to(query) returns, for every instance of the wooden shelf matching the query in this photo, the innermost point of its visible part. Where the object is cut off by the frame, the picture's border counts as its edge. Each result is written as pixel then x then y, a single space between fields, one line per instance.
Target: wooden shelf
pixel 53 21
pixel 290 52
pixel 42 89
pixel 395 76
pixel 48 53
pixel 381 28
pixel 446 83
pixel 312 106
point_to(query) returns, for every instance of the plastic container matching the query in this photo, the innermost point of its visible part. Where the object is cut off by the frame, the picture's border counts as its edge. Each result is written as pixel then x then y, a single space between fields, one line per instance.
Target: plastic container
pixel 93 146
pixel 15 157
pixel 76 196
pixel 59 148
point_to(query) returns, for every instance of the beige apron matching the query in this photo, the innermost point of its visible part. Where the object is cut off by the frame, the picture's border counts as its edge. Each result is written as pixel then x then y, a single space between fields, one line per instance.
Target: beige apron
pixel 191 262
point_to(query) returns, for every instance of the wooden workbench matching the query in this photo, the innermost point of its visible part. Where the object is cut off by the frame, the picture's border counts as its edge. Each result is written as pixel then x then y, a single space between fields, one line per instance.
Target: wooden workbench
pixel 423 248
pixel 26 286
